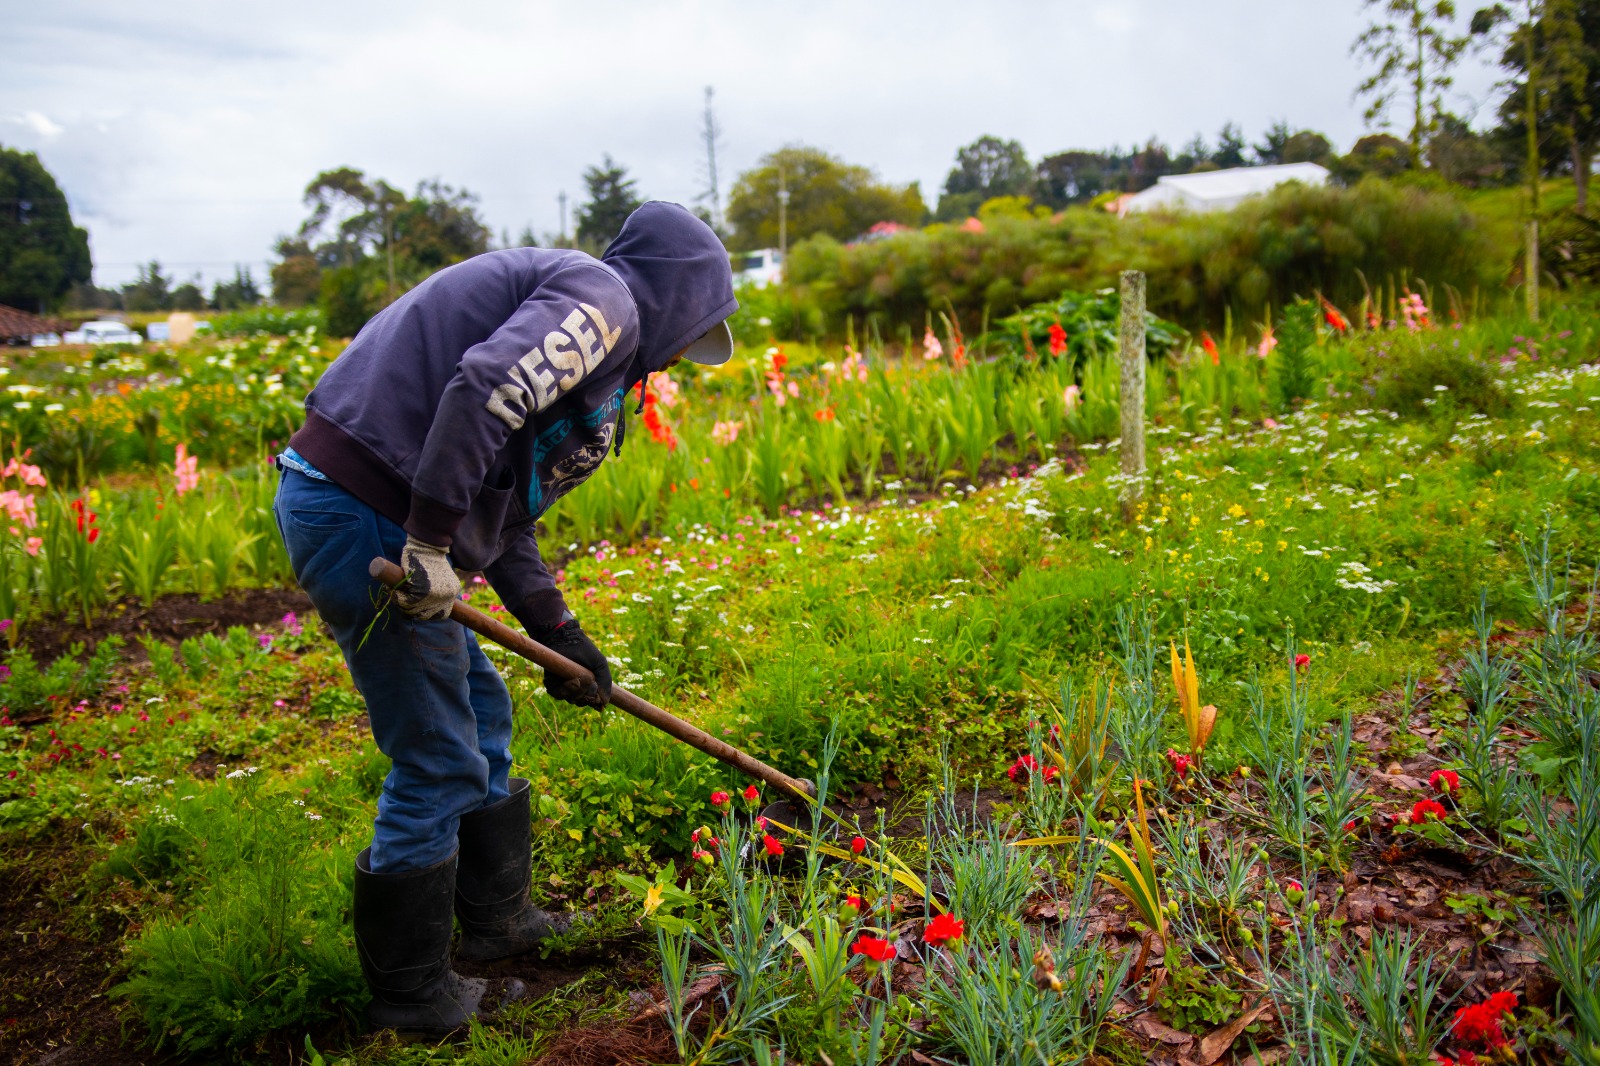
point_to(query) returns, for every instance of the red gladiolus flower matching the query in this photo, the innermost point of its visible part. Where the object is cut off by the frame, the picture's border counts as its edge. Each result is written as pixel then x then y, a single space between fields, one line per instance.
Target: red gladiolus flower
pixel 823 414
pixel 873 948
pixel 858 845
pixel 1446 781
pixel 1211 347
pixel 1482 1022
pixel 1336 321
pixel 944 929
pixel 1058 339
pixel 720 800
pixel 773 846
pixel 1423 810
pixel 1302 661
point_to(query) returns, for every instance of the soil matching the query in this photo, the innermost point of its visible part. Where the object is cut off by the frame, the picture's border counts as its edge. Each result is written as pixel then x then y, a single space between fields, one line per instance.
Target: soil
pixel 170 618
pixel 54 970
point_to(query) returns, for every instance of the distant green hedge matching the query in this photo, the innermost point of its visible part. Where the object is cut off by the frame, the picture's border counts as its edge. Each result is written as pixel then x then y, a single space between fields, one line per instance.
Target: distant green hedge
pixel 275 320
pixel 1289 243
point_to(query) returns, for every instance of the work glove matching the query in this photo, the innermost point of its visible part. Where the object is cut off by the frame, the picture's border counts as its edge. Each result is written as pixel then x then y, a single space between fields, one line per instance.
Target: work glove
pixel 431 587
pixel 570 640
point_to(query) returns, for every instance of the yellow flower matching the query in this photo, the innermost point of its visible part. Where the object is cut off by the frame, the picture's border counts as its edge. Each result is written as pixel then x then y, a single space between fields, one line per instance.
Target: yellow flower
pixel 1236 511
pixel 1283 545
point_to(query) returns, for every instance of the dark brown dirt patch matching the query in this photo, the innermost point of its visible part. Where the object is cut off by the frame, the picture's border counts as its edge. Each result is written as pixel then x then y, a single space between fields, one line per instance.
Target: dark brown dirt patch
pixel 54 970
pixel 170 618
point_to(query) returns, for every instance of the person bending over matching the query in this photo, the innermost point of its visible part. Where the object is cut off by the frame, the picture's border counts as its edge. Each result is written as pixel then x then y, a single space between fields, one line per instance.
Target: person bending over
pixel 452 422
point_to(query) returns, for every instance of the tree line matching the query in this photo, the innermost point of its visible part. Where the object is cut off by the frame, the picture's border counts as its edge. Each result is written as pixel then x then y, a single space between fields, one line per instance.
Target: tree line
pixel 365 241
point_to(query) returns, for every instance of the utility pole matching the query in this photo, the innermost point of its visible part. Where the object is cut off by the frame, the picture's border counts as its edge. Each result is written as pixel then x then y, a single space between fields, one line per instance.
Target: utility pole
pixel 561 198
pixel 1131 353
pixel 1530 267
pixel 783 218
pixel 710 134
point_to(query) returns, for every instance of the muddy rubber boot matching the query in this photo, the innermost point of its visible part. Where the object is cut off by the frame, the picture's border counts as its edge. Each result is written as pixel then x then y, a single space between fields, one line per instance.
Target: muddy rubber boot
pixel 492 879
pixel 403 928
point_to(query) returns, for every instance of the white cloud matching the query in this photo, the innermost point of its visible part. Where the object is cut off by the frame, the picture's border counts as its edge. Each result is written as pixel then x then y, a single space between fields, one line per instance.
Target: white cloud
pixel 37 123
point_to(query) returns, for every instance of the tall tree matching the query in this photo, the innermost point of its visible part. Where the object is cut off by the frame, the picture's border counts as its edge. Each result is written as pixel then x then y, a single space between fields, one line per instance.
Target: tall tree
pixel 826 195
pixel 613 196
pixel 1273 142
pixel 297 276
pixel 42 254
pixel 151 291
pixel 1230 147
pixel 1565 44
pixel 1415 47
pixel 242 291
pixel 984 169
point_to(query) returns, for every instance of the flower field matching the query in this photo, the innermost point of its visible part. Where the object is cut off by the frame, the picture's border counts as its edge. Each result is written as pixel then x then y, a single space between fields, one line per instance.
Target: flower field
pixel 1293 762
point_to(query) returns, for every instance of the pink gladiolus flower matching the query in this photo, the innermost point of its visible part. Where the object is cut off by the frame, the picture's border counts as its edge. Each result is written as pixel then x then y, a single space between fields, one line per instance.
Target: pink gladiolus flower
pixel 931 348
pixel 185 471
pixel 725 433
pixel 1270 423
pixel 666 389
pixel 33 544
pixel 1268 342
pixel 1072 396
pixel 31 475
pixel 19 507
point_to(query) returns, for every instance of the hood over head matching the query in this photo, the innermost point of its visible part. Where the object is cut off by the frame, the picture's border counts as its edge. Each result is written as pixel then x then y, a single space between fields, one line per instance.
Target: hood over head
pixel 680 277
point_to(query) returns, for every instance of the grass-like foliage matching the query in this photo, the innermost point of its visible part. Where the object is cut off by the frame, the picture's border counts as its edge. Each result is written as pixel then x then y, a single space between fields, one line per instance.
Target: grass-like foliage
pixel 264 941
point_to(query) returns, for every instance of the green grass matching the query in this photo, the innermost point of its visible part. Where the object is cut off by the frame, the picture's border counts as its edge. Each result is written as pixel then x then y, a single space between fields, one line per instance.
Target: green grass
pixel 927 631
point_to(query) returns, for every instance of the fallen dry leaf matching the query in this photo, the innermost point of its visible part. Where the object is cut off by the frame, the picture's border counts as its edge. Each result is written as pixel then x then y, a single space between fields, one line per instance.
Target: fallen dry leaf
pixel 1155 1029
pixel 1213 1046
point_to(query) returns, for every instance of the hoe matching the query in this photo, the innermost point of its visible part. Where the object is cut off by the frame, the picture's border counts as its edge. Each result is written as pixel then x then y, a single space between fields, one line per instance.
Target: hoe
pixel 795 794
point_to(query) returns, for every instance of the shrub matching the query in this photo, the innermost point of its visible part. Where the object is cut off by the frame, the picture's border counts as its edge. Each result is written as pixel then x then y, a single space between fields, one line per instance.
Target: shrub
pixel 277 321
pixel 1409 374
pixel 1293 242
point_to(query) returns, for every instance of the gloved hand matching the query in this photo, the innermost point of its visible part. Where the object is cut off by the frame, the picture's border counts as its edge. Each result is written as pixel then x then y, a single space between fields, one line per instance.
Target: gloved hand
pixel 570 640
pixel 432 586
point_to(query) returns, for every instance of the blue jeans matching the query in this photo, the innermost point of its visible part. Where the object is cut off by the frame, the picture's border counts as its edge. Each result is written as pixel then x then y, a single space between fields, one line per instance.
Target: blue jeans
pixel 438 709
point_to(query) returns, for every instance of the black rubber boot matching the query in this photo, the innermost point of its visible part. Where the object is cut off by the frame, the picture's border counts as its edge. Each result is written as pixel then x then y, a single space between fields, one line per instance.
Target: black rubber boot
pixel 403 928
pixel 492 879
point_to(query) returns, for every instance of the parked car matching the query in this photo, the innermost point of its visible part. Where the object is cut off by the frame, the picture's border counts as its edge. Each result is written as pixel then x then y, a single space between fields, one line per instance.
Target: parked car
pixel 102 333
pixel 45 340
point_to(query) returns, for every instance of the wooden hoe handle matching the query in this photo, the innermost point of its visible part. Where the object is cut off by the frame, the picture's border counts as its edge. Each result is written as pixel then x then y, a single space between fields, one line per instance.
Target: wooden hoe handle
pixel 391 575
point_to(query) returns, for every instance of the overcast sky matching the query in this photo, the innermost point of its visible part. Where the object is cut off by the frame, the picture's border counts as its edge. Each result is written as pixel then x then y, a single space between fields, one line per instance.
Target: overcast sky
pixel 187 131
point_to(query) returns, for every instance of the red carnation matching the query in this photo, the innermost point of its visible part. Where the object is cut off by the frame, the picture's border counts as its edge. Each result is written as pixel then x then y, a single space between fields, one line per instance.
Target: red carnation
pixel 944 929
pixel 1302 661
pixel 1180 763
pixel 1426 809
pixel 772 844
pixel 751 795
pixel 858 844
pixel 873 948
pixel 1445 781
pixel 720 800
pixel 1482 1021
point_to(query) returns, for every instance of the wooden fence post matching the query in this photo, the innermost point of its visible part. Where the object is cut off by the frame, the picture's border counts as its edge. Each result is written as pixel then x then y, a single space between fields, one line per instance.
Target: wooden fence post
pixel 1133 370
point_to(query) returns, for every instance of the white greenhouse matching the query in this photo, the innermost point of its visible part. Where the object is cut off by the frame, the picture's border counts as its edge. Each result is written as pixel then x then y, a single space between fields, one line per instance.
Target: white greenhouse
pixel 1218 190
